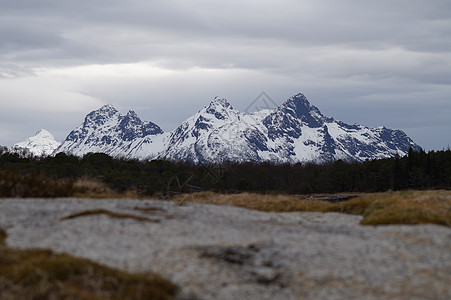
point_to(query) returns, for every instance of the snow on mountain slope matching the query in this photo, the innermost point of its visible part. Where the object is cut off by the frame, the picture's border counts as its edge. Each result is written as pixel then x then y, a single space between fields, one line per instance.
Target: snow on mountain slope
pixel 294 132
pixel 41 144
pixel 216 133
pixel 300 132
pixel 108 131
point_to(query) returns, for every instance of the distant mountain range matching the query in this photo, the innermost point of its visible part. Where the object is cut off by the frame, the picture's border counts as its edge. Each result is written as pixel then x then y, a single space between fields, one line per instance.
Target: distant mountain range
pixel 296 131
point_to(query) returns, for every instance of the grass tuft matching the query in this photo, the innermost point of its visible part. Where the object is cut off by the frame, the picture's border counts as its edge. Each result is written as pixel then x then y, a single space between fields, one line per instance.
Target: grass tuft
pixel 93 188
pixel 409 207
pixel 268 203
pixel 355 206
pixel 87 185
pixel 109 214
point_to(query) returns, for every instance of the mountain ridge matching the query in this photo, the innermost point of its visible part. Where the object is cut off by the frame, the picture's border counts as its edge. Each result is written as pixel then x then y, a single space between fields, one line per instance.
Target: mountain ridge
pixel 296 131
pixel 107 130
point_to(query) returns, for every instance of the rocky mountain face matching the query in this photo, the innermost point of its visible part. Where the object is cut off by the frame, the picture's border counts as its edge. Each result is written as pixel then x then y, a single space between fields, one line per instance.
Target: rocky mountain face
pixel 216 133
pixel 294 132
pixel 106 130
pixel 41 144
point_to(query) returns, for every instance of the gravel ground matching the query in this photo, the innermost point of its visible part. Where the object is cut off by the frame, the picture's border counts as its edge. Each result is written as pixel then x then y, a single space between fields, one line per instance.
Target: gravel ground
pixel 223 252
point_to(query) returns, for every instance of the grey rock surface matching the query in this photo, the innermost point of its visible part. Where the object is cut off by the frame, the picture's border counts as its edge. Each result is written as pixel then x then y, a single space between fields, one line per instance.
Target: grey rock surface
pixel 223 252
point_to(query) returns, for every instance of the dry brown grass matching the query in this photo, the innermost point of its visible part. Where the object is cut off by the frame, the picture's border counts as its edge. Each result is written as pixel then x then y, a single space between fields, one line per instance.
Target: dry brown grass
pixel 92 188
pixel 14 184
pixel 409 207
pixel 274 203
pixel 95 189
pixel 108 213
pixel 42 274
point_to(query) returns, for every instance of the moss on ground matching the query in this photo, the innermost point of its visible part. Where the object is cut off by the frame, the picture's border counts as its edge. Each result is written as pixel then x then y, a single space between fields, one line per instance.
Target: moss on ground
pixel 42 274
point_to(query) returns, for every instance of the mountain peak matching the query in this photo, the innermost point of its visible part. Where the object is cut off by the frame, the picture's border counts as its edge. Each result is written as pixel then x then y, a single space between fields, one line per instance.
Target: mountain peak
pixel 132 114
pixel 43 132
pixel 107 108
pixel 298 103
pixel 220 102
pixel 101 115
pixel 42 143
pixel 300 108
pixel 300 97
pixel 220 108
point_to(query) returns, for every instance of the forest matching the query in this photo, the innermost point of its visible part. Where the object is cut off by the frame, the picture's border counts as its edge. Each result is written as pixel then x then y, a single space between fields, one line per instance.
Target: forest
pixel 53 176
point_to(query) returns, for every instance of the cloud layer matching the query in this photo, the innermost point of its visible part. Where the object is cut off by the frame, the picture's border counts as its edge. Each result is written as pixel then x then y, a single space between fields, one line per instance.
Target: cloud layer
pixel 379 63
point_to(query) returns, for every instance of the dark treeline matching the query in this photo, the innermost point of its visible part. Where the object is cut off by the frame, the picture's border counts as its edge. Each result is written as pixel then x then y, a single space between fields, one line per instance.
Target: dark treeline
pixel 417 170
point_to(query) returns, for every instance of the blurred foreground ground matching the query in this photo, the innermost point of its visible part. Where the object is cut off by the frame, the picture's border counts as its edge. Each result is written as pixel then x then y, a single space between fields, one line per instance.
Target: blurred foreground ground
pixel 225 252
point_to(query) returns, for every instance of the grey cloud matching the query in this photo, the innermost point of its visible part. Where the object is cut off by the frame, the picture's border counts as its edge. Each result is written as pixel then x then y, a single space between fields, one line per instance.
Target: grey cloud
pixel 354 59
pixel 315 24
pixel 9 71
pixel 23 38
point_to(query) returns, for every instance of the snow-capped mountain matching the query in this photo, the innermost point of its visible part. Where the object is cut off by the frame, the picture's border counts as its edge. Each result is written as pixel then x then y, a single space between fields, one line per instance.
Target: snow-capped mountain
pixel 300 132
pixel 108 131
pixel 41 144
pixel 216 133
pixel 294 132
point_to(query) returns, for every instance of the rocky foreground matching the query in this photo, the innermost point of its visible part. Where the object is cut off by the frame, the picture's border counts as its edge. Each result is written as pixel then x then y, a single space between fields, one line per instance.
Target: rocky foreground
pixel 223 252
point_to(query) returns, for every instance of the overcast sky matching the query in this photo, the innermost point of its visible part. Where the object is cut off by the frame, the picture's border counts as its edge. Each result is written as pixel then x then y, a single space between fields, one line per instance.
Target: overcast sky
pixel 385 62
